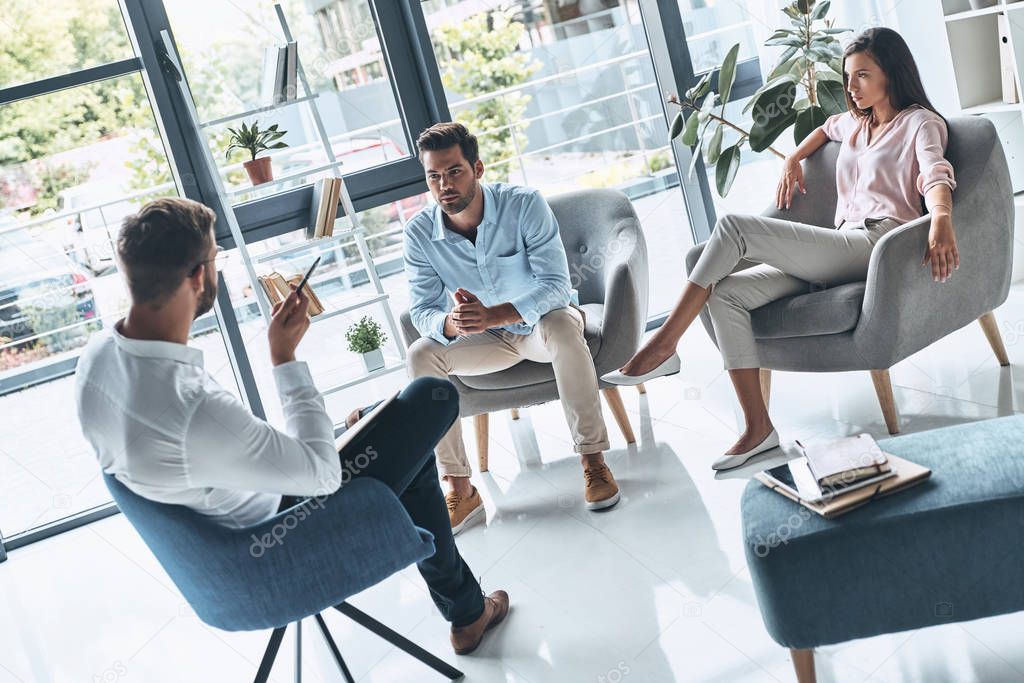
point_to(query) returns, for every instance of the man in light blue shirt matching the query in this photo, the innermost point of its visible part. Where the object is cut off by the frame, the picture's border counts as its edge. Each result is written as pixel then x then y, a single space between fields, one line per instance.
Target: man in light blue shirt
pixel 489 287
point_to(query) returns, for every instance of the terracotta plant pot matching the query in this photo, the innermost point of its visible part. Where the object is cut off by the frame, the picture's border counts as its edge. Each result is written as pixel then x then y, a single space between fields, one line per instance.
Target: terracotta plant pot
pixel 260 171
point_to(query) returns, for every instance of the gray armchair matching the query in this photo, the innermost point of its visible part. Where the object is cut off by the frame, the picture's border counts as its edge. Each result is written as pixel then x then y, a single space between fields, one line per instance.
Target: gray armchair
pixel 899 309
pixel 607 258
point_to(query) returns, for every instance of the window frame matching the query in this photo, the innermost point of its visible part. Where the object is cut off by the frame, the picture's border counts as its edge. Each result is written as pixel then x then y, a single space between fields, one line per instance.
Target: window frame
pixel 415 78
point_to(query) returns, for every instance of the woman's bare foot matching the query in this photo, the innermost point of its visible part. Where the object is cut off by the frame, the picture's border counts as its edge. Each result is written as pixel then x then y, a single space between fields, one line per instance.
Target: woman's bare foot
pixel 650 356
pixel 753 436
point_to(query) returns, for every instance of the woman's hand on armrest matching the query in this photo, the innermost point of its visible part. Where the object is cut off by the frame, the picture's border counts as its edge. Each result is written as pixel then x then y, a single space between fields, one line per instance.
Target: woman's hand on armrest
pixel 793 173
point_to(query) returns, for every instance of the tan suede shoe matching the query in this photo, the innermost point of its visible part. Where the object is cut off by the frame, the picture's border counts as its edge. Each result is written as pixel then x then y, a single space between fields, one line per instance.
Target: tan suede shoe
pixel 464 512
pixel 465 639
pixel 601 489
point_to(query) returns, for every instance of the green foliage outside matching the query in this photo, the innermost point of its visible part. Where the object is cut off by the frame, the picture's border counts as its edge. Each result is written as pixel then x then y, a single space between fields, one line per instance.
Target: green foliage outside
pixel 480 55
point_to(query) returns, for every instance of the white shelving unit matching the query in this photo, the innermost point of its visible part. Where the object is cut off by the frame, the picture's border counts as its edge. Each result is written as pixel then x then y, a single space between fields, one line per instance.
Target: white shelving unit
pixel 353 231
pixel 974 44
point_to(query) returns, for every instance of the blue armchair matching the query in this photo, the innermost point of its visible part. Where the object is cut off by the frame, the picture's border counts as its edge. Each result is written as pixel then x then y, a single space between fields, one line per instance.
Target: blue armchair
pixel 310 557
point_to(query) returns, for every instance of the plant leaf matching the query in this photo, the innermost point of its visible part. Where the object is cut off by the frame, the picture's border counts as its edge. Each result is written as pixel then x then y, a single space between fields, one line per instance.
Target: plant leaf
pixel 727 74
pixel 804 6
pixel 784 57
pixel 725 170
pixel 782 67
pixel 715 146
pixel 773 114
pixel 703 85
pixel 831 97
pixel 279 145
pixel 694 155
pixel 689 137
pixel 706 106
pixel 792 41
pixel 820 11
pixel 772 85
pixel 806 121
pixel 677 126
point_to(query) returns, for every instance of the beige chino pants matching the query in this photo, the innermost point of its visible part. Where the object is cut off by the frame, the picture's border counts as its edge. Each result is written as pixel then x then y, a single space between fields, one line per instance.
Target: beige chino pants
pixel 557 338
pixel 793 258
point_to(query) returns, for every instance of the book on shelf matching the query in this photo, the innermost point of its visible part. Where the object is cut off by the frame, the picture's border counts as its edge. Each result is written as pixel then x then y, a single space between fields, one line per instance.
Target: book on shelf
pixel 277 289
pixel 323 210
pixel 291 71
pixel 280 74
pixel 845 460
pixel 1009 81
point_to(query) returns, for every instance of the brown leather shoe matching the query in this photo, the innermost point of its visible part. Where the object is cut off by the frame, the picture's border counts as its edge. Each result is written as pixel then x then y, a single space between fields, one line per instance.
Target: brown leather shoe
pixel 465 639
pixel 463 512
pixel 601 491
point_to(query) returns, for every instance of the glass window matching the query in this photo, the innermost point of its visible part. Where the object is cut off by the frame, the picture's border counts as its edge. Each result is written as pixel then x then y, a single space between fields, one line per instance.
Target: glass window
pixel 76 163
pixel 564 97
pixel 336 43
pixel 43 39
pixel 712 28
pixel 340 281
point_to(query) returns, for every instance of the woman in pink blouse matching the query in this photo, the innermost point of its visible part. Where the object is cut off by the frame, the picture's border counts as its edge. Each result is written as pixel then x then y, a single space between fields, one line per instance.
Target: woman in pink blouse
pixel 891 156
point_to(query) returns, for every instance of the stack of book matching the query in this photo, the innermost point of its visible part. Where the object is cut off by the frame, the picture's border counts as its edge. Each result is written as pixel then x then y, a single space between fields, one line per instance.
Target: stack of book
pixel 277 288
pixel 837 476
pixel 323 210
pixel 280 74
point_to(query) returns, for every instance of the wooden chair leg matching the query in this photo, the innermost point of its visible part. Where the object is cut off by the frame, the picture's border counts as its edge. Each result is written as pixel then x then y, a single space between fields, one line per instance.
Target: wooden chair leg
pixel 995 339
pixel 611 394
pixel 481 426
pixel 803 664
pixel 641 388
pixel 766 385
pixel 515 413
pixel 883 387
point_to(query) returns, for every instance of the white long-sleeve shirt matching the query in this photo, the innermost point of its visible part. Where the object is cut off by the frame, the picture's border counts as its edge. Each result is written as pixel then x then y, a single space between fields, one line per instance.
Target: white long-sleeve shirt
pixel 165 429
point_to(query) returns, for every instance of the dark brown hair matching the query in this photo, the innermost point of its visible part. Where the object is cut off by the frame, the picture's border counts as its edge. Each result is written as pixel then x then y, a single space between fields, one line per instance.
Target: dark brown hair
pixel 445 135
pixel 891 53
pixel 161 245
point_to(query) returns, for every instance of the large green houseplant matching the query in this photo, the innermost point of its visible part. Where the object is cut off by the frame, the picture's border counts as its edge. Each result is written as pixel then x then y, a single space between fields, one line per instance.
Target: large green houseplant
pixel 810 64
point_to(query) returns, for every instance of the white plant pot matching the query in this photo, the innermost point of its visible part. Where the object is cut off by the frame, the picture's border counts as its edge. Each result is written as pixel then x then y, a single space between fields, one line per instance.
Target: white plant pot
pixel 374 360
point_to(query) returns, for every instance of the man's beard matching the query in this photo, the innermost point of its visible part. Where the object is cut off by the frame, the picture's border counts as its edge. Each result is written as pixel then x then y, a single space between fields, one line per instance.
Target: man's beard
pixel 209 294
pixel 463 202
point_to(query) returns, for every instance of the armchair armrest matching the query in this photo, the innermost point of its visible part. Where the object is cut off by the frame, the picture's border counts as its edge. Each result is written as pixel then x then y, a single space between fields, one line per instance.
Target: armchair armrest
pixel 409 330
pixel 904 309
pixel 625 300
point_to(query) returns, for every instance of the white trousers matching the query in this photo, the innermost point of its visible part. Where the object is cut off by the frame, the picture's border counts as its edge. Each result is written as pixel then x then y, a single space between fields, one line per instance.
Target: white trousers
pixel 793 258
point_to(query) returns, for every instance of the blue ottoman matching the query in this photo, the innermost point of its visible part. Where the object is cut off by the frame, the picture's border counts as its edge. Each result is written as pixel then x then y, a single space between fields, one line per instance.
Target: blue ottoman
pixel 949 549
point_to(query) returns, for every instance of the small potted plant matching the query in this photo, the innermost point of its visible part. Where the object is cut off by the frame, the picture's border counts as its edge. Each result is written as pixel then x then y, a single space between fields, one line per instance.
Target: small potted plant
pixel 366 337
pixel 254 141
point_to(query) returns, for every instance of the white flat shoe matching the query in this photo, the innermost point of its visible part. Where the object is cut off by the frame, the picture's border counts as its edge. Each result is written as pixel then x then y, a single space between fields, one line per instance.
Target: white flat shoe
pixel 670 367
pixel 727 462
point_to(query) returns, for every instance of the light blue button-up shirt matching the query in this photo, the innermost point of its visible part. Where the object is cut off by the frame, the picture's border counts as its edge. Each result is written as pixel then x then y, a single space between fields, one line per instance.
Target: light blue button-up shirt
pixel 518 258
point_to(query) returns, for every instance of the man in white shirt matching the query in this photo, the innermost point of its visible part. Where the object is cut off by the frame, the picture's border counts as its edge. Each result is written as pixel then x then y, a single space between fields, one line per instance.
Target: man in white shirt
pixel 165 429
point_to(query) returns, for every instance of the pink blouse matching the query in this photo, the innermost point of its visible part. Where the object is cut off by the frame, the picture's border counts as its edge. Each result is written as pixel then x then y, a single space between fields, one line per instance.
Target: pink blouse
pixel 888 177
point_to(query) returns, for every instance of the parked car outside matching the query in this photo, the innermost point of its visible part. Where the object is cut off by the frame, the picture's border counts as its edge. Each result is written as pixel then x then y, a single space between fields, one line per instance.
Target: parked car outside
pixel 42 292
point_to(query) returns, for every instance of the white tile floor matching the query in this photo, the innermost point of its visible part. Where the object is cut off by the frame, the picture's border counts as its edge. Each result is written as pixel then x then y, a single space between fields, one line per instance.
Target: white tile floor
pixel 654 590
